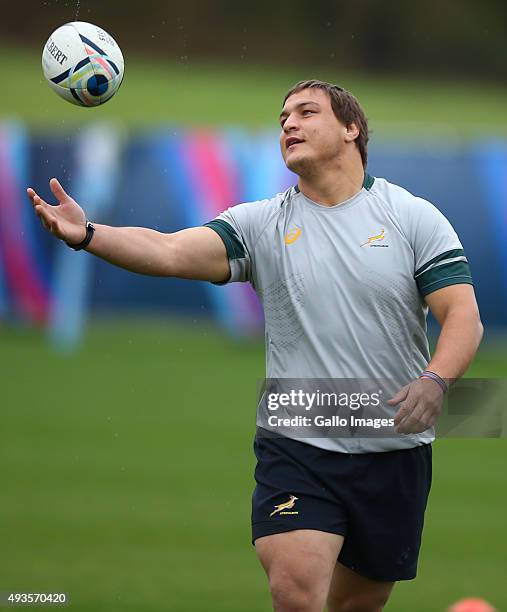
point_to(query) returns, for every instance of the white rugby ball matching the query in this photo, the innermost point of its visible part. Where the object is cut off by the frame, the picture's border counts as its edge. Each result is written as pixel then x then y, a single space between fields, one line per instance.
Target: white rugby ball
pixel 83 64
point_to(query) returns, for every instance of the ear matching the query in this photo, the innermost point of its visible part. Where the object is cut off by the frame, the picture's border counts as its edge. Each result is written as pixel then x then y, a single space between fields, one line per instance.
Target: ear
pixel 351 132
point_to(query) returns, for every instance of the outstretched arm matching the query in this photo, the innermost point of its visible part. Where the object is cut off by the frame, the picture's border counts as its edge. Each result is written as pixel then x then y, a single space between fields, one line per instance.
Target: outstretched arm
pixel 196 253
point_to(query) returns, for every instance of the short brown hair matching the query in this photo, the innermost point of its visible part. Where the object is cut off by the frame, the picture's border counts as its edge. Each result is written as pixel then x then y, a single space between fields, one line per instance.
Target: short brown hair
pixel 345 107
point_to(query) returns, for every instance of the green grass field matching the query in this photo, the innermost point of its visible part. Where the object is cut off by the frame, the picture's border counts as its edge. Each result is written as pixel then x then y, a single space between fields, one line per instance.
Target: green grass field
pixel 194 94
pixel 127 475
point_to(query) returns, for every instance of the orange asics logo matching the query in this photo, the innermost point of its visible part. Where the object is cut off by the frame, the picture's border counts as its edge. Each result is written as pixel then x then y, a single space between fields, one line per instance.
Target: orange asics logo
pixel 292 236
pixel 371 239
pixel 285 506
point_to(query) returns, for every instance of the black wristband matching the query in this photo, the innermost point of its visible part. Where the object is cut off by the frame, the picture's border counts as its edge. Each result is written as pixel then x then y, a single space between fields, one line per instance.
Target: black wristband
pixel 89 235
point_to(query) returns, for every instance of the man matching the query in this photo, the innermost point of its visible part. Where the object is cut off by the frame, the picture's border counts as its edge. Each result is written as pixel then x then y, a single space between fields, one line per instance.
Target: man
pixel 336 521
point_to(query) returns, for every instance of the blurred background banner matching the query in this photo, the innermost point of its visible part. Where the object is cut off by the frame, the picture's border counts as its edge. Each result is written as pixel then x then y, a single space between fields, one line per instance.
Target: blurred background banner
pixel 180 179
pixel 25 289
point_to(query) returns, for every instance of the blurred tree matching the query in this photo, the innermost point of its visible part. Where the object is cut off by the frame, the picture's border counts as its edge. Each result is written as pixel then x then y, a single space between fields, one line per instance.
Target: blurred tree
pixel 453 38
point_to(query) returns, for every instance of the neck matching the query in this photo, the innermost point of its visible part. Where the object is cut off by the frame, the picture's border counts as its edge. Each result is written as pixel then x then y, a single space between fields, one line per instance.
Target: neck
pixel 334 186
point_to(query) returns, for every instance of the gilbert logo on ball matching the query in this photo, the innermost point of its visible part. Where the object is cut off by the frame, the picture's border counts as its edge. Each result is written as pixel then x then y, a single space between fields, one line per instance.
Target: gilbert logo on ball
pixel 83 64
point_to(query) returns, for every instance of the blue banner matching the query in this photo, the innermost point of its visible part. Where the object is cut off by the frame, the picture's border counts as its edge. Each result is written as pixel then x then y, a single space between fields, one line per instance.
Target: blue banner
pixel 171 179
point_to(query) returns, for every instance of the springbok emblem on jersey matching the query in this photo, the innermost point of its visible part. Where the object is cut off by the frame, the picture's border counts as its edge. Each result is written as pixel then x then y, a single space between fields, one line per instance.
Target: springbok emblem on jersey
pixel 371 239
pixel 288 505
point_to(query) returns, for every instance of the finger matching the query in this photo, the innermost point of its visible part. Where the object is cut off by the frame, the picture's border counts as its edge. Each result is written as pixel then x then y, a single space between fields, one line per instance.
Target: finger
pixel 410 426
pixel 46 217
pixel 38 201
pixel 58 190
pixel 422 418
pixel 399 397
pixel 402 414
pixel 32 194
pixel 425 421
pixel 406 409
pixel 425 412
pixel 429 418
pixel 43 223
pixel 412 422
pixel 407 425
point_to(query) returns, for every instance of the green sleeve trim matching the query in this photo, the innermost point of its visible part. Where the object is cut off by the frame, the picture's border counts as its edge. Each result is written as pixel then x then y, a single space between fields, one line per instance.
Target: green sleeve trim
pixel 233 246
pixel 446 282
pixel 368 181
pixel 440 258
pixel 440 276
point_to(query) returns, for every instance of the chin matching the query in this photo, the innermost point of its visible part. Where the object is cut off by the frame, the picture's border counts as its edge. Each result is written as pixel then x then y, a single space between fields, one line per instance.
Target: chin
pixel 299 164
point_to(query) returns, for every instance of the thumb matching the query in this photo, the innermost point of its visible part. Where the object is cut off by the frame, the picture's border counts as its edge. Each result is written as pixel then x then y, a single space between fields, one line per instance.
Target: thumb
pixel 58 190
pixel 399 397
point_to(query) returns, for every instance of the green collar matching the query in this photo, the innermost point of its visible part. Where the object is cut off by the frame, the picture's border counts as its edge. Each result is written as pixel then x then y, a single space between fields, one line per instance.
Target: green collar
pixel 368 181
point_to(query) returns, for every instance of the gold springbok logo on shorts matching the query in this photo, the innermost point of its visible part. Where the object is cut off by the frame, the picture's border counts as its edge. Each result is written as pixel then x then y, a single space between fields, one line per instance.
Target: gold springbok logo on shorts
pixel 288 505
pixel 371 239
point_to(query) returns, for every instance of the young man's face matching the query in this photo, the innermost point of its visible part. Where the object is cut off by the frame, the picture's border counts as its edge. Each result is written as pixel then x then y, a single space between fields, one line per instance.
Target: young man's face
pixel 311 134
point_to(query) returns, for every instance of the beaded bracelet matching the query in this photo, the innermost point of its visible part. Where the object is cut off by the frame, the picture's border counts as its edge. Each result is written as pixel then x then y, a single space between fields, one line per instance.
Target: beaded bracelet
pixel 432 376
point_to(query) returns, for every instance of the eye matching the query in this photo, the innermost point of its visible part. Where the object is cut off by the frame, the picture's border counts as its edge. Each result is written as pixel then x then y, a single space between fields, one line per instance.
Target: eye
pixel 306 111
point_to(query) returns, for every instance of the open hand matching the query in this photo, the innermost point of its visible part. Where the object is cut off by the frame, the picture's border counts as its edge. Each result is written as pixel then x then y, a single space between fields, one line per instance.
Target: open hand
pixel 67 220
pixel 420 405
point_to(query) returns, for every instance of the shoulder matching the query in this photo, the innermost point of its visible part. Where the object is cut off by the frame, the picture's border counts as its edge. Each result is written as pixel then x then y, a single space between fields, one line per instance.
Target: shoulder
pixel 254 216
pixel 397 198
pixel 409 210
pixel 249 219
pixel 263 207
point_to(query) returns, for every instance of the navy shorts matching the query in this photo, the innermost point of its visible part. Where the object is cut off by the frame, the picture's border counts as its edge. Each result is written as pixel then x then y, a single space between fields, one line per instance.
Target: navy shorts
pixel 375 500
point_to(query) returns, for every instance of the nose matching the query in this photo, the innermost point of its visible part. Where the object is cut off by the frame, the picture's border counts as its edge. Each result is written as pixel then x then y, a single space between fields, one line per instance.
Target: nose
pixel 290 123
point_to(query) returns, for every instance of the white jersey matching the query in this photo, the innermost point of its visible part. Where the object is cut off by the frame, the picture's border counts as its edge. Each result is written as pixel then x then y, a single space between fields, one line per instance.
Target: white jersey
pixel 343 287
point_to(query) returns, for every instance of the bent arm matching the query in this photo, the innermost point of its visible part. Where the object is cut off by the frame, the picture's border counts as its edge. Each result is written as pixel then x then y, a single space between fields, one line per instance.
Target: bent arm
pixel 455 308
pixel 420 401
pixel 196 253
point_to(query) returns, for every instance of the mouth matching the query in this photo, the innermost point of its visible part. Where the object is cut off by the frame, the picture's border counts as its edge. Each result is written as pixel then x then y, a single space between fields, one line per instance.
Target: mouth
pixel 291 142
